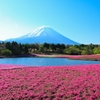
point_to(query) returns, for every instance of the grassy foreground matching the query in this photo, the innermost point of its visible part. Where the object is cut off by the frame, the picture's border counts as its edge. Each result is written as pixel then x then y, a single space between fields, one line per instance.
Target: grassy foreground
pixel 50 83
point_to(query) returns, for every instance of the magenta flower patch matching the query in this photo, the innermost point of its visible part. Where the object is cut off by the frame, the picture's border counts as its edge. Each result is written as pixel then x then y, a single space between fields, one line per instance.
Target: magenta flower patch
pixel 50 83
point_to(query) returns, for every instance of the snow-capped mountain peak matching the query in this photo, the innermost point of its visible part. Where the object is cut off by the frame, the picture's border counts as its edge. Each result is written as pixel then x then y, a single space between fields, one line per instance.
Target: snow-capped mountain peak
pixel 43 34
pixel 43 30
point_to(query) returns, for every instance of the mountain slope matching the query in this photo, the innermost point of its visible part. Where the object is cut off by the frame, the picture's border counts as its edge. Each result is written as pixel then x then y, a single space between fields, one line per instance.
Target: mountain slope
pixel 43 34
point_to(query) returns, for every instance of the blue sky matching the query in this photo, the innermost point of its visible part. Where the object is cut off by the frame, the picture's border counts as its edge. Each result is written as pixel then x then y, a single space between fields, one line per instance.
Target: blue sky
pixel 78 20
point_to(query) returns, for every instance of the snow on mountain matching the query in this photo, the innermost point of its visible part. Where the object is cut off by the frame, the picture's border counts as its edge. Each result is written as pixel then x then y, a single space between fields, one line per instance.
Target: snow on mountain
pixel 43 34
pixel 41 31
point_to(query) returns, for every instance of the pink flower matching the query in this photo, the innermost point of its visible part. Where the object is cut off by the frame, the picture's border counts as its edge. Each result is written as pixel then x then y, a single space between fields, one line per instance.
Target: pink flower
pixel 74 82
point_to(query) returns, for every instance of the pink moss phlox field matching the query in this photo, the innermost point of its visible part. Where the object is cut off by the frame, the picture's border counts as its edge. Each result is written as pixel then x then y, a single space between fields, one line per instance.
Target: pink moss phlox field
pixel 50 83
pixel 88 57
pixel 9 66
pixel 84 57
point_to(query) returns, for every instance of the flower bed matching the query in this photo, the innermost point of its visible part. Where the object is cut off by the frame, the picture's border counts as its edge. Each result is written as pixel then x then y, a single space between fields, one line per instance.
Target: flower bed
pixel 87 57
pixel 81 57
pixel 50 83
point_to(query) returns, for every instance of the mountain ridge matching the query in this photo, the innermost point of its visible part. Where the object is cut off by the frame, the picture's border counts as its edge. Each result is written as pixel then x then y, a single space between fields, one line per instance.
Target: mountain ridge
pixel 43 34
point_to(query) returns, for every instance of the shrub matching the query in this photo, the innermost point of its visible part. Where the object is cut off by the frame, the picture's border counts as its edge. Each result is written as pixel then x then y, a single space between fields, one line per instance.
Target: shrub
pixel 6 52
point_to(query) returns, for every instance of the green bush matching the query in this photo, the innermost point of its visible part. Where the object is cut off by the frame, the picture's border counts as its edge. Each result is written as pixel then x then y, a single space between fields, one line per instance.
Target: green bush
pixel 6 52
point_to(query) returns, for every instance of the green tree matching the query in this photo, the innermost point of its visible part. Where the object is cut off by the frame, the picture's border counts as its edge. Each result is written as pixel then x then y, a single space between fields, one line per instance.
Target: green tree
pixel 52 47
pixel 25 49
pixel 41 49
pixel 6 52
pixel 73 51
pixel 96 50
pixel 46 46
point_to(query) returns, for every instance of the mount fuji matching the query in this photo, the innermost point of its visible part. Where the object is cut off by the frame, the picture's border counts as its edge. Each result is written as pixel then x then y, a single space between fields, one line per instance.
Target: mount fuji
pixel 43 34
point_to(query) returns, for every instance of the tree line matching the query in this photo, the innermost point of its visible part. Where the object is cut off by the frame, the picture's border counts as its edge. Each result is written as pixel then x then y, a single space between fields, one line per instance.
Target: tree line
pixel 17 49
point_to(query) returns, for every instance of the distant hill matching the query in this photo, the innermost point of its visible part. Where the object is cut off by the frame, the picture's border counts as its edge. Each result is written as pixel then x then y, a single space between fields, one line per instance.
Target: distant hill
pixel 43 34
